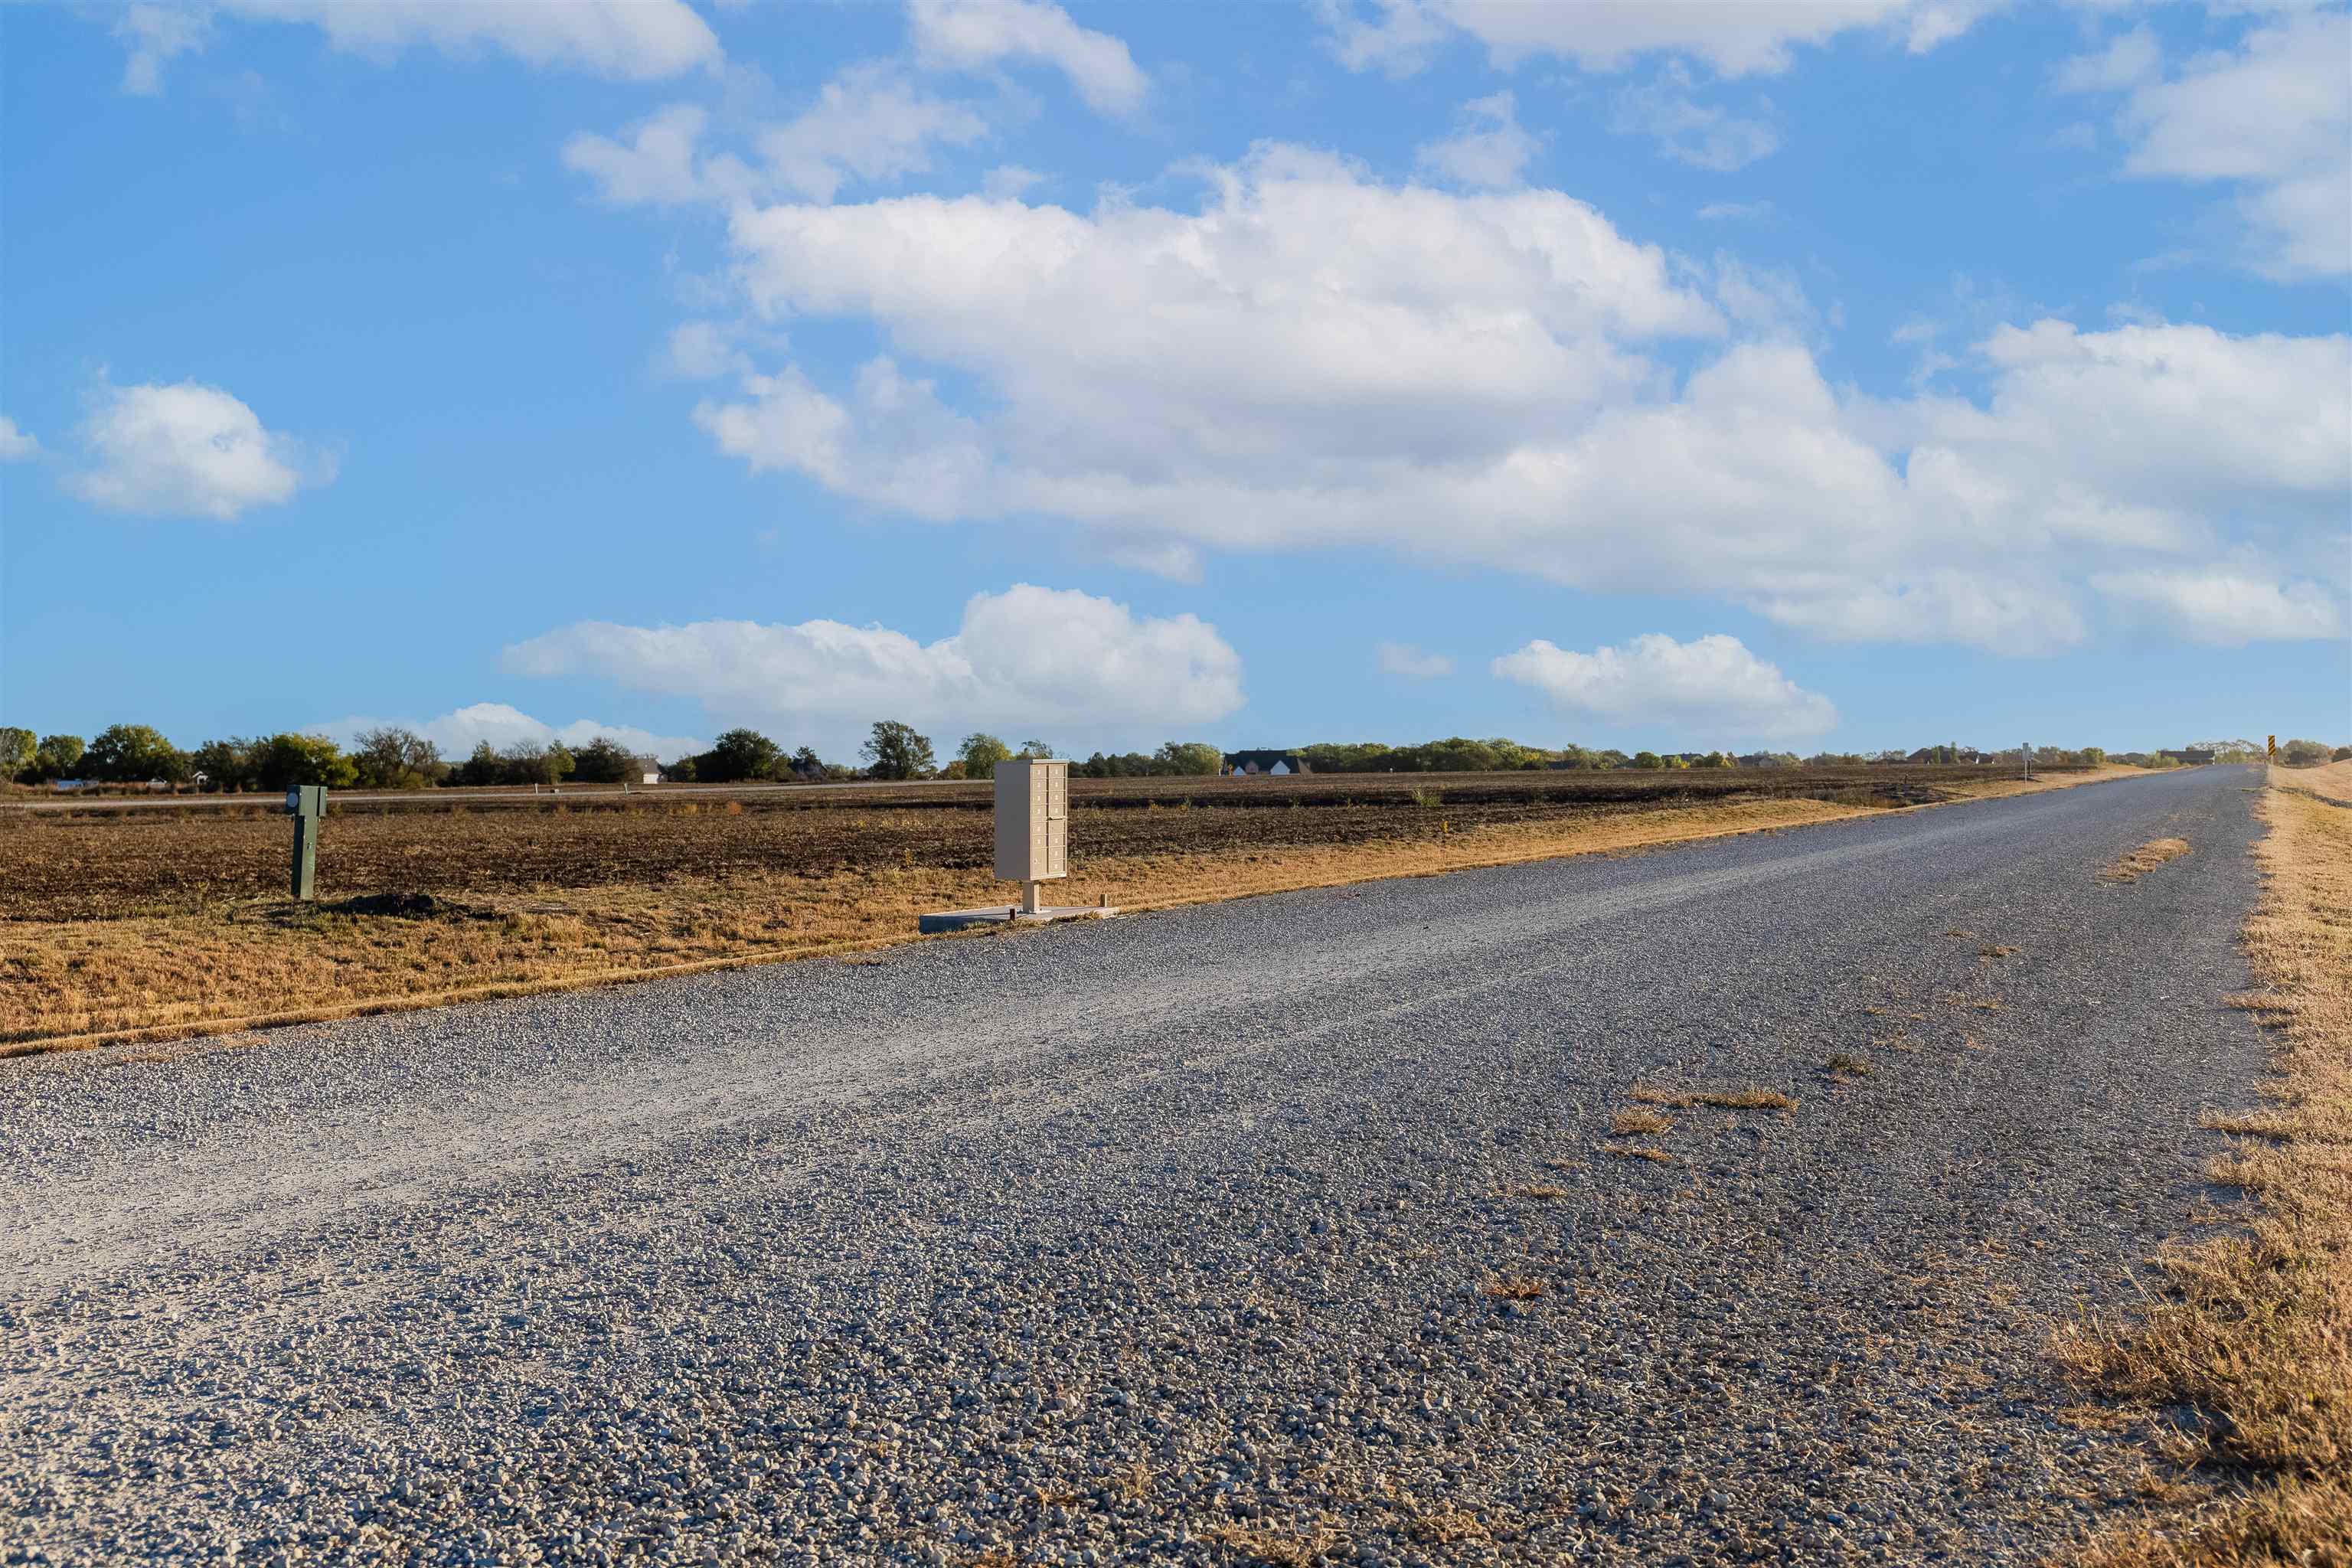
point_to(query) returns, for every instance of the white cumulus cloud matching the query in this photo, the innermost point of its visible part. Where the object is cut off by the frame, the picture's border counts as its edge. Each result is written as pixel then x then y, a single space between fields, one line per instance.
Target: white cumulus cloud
pixel 16 445
pixel 2271 116
pixel 638 40
pixel 1404 659
pixel 155 35
pixel 1710 684
pixel 1314 358
pixel 1490 149
pixel 969 34
pixel 456 734
pixel 1735 37
pixel 1704 135
pixel 868 124
pixel 188 450
pixel 2226 608
pixel 1035 659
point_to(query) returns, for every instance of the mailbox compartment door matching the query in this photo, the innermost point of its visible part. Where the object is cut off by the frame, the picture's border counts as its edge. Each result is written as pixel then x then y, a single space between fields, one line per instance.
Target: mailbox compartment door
pixel 1057 835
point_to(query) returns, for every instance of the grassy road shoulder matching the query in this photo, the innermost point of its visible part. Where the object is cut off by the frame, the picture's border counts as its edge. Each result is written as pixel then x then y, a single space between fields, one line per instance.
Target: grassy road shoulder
pixel 2251 1345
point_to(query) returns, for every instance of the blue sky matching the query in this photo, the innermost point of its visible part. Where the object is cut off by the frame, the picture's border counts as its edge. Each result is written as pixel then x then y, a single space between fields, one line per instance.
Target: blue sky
pixel 1768 374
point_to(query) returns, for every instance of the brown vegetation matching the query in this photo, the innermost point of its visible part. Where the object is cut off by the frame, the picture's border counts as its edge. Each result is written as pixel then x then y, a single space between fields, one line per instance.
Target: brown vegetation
pixel 2131 868
pixel 2253 1339
pixel 1750 1098
pixel 173 922
pixel 108 863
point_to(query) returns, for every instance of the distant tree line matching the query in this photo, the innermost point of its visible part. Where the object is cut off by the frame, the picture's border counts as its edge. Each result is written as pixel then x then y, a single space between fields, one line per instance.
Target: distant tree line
pixel 391 758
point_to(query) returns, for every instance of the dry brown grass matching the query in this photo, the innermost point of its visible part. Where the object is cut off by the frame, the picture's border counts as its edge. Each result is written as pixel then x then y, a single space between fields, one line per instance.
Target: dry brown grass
pixel 1846 1065
pixel 1540 1192
pixel 1747 1097
pixel 1282 1549
pixel 1511 1288
pixel 1641 1152
pixel 2253 1338
pixel 226 967
pixel 2131 868
pixel 2332 783
pixel 1444 1524
pixel 1637 1123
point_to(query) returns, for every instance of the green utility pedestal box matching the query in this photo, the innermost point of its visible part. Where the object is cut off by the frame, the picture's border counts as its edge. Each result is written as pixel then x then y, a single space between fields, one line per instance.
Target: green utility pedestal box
pixel 305 803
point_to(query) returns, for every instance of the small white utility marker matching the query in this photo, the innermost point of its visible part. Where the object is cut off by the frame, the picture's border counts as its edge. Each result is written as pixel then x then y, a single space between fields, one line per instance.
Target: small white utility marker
pixel 1033 845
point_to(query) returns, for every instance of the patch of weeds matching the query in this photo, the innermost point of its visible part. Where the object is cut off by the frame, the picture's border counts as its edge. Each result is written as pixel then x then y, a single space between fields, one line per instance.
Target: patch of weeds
pixel 1635 1122
pixel 1536 1191
pixel 1446 1524
pixel 1750 1096
pixel 1515 1289
pixel 1848 1066
pixel 2248 1124
pixel 1281 1549
pixel 1996 950
pixel 2157 852
pixel 1641 1152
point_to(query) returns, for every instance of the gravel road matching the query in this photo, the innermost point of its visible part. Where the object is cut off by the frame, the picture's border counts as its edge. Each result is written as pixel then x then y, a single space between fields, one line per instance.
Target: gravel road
pixel 1284 1230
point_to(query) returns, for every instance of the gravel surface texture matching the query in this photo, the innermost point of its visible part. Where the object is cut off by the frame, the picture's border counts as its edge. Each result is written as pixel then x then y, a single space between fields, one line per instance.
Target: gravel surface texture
pixel 1289 1230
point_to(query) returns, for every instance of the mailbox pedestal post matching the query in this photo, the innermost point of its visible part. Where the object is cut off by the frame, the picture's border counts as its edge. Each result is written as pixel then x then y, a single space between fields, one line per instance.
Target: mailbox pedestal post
pixel 305 803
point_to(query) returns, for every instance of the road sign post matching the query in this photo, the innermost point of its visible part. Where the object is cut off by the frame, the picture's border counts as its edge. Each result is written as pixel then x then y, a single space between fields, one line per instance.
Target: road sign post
pixel 305 803
pixel 2272 755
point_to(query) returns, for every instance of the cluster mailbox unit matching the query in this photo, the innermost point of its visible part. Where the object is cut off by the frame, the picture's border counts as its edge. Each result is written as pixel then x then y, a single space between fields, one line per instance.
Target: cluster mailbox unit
pixel 1032 824
pixel 1032 847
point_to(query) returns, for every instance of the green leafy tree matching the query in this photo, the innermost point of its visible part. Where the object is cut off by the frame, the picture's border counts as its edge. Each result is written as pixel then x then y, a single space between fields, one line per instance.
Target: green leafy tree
pixel 225 766
pixel 737 755
pixel 133 753
pixel 16 749
pixel 529 763
pixel 979 752
pixel 56 757
pixel 1035 748
pixel 391 757
pixel 894 751
pixel 605 761
pixel 2342 753
pixel 1646 760
pixel 2304 754
pixel 481 768
pixel 806 763
pixel 285 761
pixel 1188 759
